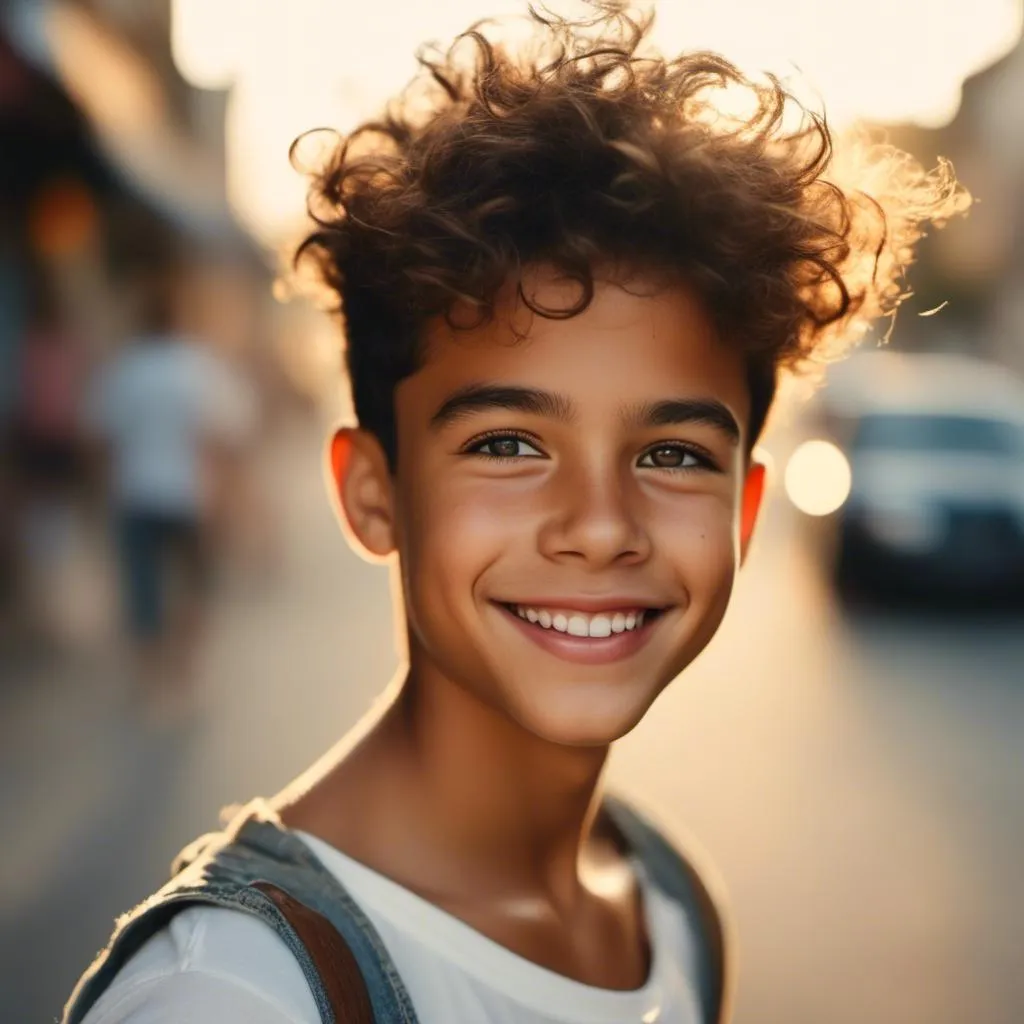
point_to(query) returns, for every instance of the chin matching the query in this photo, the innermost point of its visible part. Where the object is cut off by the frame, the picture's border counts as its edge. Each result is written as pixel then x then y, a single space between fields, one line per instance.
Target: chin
pixel 584 715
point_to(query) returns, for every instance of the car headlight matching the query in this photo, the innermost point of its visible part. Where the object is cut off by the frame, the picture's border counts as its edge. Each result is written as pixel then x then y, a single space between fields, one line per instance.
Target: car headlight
pixel 817 478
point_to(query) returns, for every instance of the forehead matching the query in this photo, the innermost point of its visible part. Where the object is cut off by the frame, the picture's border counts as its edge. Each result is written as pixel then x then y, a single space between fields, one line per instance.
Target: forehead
pixel 637 341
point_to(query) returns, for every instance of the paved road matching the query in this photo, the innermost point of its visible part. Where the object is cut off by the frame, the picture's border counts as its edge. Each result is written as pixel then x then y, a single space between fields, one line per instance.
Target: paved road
pixel 857 782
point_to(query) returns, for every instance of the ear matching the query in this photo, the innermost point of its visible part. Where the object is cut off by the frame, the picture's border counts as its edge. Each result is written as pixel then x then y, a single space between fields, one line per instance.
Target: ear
pixel 750 506
pixel 361 482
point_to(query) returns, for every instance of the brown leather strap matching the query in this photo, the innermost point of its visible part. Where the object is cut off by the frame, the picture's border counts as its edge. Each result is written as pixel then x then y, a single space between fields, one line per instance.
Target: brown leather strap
pixel 334 961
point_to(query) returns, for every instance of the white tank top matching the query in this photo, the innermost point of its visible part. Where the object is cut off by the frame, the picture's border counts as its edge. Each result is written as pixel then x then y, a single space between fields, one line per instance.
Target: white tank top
pixel 218 966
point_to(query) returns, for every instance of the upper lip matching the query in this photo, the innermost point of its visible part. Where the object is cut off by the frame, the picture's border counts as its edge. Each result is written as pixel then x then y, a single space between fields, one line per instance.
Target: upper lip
pixel 593 604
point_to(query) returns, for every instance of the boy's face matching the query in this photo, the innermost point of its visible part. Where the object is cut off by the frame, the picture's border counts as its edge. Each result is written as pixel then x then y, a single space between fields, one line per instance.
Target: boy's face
pixel 589 476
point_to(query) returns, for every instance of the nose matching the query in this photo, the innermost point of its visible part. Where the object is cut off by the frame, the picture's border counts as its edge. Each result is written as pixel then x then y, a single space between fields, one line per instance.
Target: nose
pixel 595 520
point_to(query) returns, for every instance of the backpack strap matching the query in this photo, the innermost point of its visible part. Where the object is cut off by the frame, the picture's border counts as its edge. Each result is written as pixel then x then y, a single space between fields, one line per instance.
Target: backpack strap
pixel 257 867
pixel 343 997
pixel 676 875
pixel 332 957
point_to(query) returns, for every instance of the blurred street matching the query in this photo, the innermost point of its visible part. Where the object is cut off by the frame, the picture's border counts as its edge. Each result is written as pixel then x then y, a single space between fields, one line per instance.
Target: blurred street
pixel 858 782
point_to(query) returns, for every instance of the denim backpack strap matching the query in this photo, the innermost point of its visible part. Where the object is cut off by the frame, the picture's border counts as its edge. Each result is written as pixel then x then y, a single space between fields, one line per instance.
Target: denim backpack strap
pixel 301 875
pixel 676 875
pixel 257 867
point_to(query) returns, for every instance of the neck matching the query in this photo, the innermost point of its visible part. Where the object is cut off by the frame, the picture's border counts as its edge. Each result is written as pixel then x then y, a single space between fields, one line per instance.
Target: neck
pixel 447 795
pixel 491 783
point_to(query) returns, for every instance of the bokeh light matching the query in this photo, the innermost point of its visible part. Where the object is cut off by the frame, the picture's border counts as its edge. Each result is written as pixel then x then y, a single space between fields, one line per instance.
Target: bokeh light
pixel 62 218
pixel 818 478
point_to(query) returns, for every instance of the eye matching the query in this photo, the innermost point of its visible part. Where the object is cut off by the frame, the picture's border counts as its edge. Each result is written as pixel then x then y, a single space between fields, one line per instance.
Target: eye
pixel 673 456
pixel 504 446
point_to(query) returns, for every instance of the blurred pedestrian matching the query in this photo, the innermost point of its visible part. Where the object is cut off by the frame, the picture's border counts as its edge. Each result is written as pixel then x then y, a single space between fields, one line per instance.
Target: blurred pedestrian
pixel 159 413
pixel 243 526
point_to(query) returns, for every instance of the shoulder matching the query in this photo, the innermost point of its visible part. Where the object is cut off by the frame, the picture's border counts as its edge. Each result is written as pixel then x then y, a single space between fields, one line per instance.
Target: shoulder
pixel 673 858
pixel 208 965
pixel 684 874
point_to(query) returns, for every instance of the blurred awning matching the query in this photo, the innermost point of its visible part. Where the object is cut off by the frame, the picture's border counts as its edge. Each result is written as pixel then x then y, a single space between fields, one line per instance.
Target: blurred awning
pixel 126 105
pixel 43 135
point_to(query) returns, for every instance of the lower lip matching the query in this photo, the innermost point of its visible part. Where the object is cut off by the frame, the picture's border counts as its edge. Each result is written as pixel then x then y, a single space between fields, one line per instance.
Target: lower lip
pixel 581 649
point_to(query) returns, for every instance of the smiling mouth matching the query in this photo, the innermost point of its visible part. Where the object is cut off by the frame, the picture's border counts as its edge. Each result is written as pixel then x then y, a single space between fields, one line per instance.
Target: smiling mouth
pixel 593 626
pixel 584 637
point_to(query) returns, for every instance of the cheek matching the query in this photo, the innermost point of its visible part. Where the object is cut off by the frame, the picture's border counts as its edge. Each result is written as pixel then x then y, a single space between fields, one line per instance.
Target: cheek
pixel 699 540
pixel 468 528
pixel 449 539
pixel 470 520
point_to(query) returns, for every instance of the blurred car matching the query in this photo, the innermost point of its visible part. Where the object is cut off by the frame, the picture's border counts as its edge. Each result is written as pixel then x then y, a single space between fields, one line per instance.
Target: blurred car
pixel 935 446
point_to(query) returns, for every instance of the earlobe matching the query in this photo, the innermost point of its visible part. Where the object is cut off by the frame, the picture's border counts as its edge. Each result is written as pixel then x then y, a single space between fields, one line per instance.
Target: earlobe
pixel 361 483
pixel 338 450
pixel 753 497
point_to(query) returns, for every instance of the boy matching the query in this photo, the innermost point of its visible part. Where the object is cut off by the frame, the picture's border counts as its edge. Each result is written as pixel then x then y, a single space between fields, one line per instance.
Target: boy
pixel 568 290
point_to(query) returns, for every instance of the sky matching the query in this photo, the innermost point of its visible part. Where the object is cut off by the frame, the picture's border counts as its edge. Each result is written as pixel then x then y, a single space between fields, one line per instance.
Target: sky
pixel 292 65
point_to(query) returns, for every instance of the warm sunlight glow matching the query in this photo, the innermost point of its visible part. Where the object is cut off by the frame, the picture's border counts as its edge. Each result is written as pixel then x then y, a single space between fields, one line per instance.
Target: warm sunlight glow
pixel 297 64
pixel 818 478
pixel 207 39
pixel 875 60
pixel 263 117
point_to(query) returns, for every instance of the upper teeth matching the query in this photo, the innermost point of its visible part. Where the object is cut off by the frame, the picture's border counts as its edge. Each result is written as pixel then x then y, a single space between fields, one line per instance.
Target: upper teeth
pixel 580 623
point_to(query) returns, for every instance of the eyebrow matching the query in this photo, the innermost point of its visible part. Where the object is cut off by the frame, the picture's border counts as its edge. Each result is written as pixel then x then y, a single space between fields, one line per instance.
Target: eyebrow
pixel 483 397
pixel 668 412
pixel 674 411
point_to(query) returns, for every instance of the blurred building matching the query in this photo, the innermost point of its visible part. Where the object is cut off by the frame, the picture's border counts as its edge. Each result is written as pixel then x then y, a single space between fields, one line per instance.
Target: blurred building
pixel 976 264
pixel 156 149
pixel 991 147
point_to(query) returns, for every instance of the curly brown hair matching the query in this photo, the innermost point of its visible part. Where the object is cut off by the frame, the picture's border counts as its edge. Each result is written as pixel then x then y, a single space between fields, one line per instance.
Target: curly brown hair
pixel 591 150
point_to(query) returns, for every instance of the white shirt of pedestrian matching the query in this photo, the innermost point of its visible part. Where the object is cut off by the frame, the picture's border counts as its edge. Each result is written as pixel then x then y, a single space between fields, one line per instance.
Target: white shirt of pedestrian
pixel 158 404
